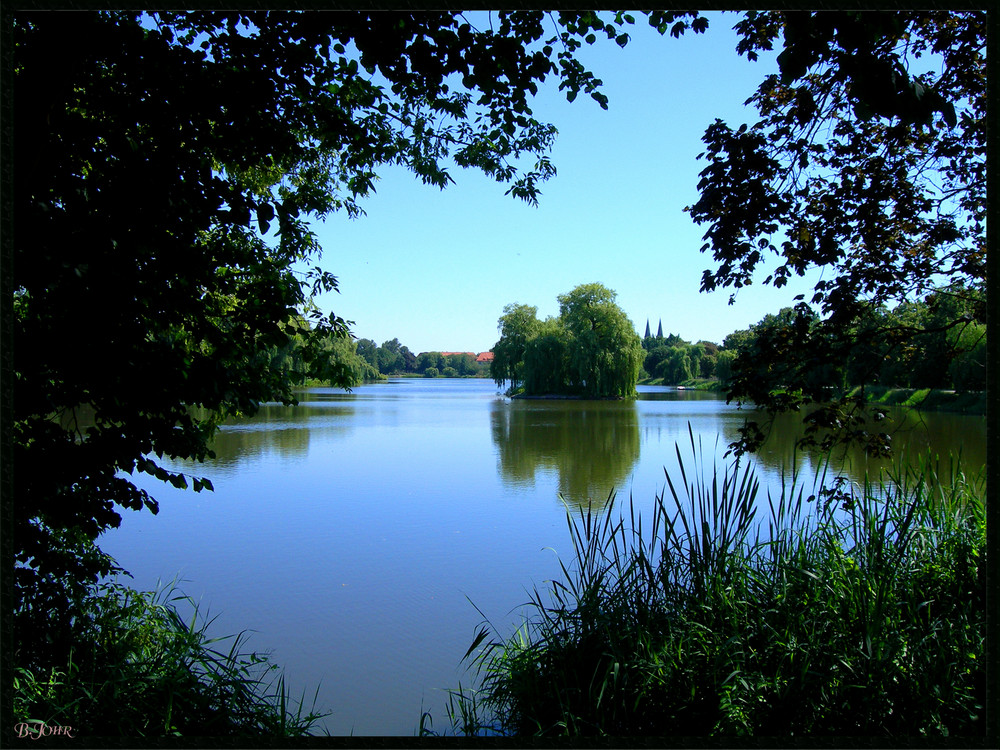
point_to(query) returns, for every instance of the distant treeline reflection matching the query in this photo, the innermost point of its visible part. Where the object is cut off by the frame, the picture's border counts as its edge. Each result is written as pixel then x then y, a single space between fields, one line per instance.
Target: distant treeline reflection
pixel 275 428
pixel 594 446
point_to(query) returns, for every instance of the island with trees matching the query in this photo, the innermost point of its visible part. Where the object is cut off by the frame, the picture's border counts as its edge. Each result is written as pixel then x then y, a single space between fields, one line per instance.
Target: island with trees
pixel 590 350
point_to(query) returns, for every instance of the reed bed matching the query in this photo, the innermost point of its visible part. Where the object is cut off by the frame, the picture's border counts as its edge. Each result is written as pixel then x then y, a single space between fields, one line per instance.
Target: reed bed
pixel 139 668
pixel 829 610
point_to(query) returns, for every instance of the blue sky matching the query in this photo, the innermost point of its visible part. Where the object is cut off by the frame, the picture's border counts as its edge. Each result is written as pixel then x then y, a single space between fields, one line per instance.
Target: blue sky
pixel 435 268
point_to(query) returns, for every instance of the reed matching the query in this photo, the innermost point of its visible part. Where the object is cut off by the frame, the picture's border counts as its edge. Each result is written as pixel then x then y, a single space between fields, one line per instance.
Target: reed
pixel 840 610
pixel 139 668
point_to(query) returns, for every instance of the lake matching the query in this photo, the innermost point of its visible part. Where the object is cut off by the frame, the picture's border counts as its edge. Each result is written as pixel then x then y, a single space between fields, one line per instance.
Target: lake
pixel 355 532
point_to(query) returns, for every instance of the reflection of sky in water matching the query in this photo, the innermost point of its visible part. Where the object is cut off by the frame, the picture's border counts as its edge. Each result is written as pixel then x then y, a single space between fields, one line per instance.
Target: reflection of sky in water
pixel 352 531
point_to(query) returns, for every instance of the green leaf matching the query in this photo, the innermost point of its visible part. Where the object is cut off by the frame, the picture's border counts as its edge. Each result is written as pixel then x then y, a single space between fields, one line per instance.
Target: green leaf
pixel 480 637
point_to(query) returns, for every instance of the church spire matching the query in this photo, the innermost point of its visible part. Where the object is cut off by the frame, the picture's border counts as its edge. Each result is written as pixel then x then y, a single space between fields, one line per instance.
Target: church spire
pixel 647 328
pixel 659 331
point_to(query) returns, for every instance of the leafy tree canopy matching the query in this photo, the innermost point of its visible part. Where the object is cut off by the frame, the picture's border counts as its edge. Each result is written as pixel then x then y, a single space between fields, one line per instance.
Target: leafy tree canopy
pixel 869 161
pixel 517 326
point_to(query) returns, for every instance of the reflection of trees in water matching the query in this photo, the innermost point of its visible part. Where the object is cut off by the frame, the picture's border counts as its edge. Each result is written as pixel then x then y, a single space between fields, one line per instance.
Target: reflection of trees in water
pixel 284 430
pixel 593 445
pixel 915 435
pixel 235 446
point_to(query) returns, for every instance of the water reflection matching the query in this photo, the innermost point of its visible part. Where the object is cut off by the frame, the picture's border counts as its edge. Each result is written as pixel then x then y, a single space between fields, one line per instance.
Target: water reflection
pixel 593 446
pixel 916 437
pixel 386 510
pixel 284 431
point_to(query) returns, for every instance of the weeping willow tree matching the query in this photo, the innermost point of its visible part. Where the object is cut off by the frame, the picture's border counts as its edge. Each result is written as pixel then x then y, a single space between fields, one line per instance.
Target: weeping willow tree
pixel 590 350
pixel 546 359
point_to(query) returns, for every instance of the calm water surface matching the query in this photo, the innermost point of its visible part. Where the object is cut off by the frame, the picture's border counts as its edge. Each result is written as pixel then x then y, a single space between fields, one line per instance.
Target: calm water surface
pixel 354 532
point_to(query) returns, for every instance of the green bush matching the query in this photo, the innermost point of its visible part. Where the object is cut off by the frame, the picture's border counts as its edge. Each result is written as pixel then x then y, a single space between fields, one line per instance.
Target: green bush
pixel 845 611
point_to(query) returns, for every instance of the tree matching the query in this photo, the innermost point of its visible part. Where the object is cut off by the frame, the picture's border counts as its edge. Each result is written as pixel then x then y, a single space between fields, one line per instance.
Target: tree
pixel 591 349
pixel 724 367
pixel 676 367
pixel 409 359
pixel 368 350
pixel 869 160
pixel 390 357
pixel 517 326
pixel 968 369
pixel 429 359
pixel 606 352
pixel 345 363
pixel 165 171
pixel 547 359
pixel 655 356
pixel 709 356
pixel 463 364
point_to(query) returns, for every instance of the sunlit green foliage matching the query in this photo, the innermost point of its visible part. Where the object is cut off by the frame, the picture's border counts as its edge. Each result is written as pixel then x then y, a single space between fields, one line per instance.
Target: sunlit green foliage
pixel 517 326
pixel 591 349
pixel 605 352
pixel 843 611
pixel 547 359
pixel 938 342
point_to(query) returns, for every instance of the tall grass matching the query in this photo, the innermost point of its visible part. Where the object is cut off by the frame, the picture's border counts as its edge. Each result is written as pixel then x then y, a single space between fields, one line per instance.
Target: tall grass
pixel 830 609
pixel 138 668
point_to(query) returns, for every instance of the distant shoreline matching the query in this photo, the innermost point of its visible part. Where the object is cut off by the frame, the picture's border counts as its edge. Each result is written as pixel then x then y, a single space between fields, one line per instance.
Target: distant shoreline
pixel 921 399
pixel 565 397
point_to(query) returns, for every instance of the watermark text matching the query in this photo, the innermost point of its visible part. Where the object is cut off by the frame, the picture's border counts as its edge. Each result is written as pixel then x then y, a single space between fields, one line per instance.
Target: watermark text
pixel 37 729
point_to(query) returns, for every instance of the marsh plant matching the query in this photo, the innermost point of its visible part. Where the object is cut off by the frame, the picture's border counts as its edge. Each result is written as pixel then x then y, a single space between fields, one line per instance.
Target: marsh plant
pixel 831 609
pixel 137 667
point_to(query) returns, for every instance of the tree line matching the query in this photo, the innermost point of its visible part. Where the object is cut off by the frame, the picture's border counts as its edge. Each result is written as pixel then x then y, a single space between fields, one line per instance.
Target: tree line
pixel 674 360
pixel 935 342
pixel 349 362
pixel 393 358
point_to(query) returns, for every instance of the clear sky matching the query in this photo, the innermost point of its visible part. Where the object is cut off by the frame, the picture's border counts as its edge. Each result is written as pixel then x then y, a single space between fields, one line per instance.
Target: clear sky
pixel 435 268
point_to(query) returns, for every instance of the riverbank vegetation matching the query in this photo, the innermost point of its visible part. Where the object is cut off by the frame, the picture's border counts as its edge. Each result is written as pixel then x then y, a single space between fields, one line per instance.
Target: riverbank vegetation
pixel 590 350
pixel 939 364
pixel 136 665
pixel 947 353
pixel 830 610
